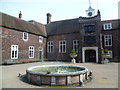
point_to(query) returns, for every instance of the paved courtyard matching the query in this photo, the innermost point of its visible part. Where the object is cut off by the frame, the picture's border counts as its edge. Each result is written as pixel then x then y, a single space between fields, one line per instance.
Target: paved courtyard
pixel 104 75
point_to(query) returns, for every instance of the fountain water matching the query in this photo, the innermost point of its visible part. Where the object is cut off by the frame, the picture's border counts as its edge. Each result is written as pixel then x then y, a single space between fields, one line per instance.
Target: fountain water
pixel 57 74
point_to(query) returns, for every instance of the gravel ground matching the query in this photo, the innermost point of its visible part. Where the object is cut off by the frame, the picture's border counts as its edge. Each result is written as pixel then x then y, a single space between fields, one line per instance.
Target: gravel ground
pixel 104 75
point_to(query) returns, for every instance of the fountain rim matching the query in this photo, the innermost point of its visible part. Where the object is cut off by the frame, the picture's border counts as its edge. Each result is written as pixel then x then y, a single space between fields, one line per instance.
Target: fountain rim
pixel 29 70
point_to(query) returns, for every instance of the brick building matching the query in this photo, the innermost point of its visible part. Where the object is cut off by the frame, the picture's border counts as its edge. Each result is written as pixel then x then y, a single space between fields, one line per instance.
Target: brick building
pixel 111 38
pixel 86 35
pixel 33 41
pixel 22 40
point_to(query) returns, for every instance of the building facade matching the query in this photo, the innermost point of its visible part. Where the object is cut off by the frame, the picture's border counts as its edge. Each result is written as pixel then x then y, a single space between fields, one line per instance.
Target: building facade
pixel 86 35
pixel 111 38
pixel 33 41
pixel 22 40
pixel 81 34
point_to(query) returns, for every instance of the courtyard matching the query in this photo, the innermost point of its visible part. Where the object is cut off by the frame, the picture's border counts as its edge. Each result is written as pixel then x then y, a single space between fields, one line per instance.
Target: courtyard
pixel 104 75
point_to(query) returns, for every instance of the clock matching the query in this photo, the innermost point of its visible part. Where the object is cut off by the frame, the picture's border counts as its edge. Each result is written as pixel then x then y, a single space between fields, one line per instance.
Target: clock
pixel 90 13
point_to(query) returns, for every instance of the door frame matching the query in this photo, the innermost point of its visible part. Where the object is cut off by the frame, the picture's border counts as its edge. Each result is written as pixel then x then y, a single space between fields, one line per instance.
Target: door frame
pixel 40 49
pixel 89 48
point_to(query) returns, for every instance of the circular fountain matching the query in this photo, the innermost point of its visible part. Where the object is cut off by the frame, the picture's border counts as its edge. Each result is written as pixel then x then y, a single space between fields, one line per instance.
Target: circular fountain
pixel 57 74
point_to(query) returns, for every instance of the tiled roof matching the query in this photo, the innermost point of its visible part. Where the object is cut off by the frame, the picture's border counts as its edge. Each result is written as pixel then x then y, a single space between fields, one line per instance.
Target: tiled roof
pixel 20 25
pixel 68 26
pixel 63 27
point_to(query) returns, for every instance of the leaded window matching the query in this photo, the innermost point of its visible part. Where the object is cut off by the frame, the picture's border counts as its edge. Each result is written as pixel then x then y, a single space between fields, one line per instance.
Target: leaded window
pixel 62 46
pixel 108 40
pixel 50 47
pixel 14 51
pixel 31 51
pixel 76 45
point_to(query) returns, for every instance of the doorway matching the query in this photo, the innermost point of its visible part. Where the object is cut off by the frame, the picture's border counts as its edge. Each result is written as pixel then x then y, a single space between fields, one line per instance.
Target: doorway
pixel 40 56
pixel 90 56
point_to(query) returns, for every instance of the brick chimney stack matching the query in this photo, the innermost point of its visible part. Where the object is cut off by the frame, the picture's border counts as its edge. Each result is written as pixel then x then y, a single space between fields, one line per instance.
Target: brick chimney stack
pixel 48 18
pixel 20 15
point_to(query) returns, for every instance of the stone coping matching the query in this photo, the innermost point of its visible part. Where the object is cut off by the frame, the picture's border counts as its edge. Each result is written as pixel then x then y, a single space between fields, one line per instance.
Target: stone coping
pixel 29 70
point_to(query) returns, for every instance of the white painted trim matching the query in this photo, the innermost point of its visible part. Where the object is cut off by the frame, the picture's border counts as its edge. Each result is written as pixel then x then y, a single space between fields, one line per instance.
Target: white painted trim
pixel 75 43
pixel 40 49
pixel 107 26
pixel 40 39
pixel 107 39
pixel 30 50
pixel 91 48
pixel 13 49
pixel 24 36
pixel 49 45
pixel 61 50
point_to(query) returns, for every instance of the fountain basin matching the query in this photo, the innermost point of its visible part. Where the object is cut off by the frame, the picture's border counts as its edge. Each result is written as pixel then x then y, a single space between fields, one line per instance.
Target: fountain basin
pixel 57 74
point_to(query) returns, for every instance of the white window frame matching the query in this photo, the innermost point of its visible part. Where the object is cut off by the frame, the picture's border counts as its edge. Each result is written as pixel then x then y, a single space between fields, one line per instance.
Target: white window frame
pixel 40 39
pixel 107 26
pixel 62 46
pixel 14 50
pixel 25 34
pixel 108 39
pixel 76 45
pixel 50 47
pixel 111 53
pixel 40 50
pixel 31 50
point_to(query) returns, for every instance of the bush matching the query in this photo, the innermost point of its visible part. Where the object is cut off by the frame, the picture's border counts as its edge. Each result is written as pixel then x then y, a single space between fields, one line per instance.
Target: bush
pixel 106 51
pixel 73 52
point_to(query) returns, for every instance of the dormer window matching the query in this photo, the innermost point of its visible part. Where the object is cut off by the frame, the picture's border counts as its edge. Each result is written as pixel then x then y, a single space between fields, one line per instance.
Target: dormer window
pixel 107 26
pixel 25 36
pixel 40 39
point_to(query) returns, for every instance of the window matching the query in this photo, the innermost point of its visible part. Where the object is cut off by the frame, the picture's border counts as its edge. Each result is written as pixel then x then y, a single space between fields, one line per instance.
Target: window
pixel 31 51
pixel 14 51
pixel 89 28
pixel 75 45
pixel 110 52
pixel 40 53
pixel 108 40
pixel 40 39
pixel 50 48
pixel 107 26
pixel 62 46
pixel 25 36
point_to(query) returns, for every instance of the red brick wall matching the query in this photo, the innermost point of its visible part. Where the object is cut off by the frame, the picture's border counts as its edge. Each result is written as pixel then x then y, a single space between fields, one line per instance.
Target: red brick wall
pixel 69 42
pixel 13 37
pixel 115 38
pixel 115 43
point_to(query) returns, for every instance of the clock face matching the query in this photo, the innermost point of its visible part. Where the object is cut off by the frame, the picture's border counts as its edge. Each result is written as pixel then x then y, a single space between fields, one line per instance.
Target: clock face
pixel 89 13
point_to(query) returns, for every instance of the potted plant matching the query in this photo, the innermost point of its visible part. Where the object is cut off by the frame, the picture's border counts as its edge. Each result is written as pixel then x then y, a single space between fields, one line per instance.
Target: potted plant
pixel 105 55
pixel 73 55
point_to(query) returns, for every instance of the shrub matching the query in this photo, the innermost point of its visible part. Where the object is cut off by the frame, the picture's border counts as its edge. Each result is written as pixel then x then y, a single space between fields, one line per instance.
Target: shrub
pixel 73 52
pixel 106 51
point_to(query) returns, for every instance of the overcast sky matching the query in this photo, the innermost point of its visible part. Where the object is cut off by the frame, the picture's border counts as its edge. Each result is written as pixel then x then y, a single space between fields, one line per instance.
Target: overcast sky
pixel 60 9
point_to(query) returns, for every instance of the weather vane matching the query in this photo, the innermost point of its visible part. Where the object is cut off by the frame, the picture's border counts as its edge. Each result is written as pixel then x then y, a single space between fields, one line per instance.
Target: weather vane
pixel 89 3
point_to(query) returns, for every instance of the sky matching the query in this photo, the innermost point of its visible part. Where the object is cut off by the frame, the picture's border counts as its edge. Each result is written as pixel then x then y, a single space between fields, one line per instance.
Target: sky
pixel 59 9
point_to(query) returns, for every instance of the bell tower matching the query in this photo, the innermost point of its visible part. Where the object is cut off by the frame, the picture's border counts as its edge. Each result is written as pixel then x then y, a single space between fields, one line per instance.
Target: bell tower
pixel 90 11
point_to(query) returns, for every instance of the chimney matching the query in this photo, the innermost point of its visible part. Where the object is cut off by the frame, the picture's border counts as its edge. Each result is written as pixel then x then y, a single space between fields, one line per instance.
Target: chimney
pixel 20 15
pixel 48 18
